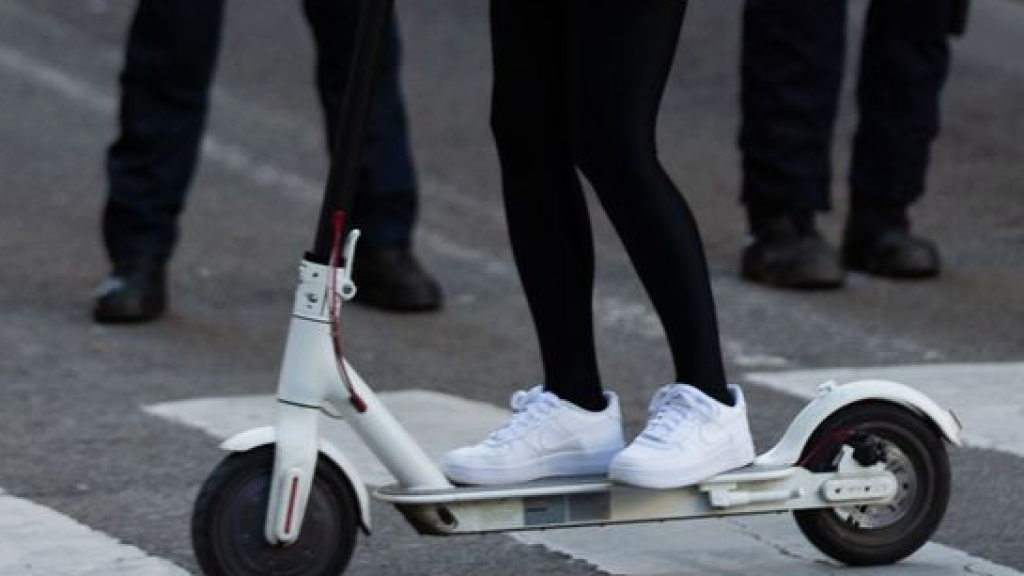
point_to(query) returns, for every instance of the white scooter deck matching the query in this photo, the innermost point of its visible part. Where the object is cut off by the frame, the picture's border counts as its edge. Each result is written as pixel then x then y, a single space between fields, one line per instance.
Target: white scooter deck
pixel 593 500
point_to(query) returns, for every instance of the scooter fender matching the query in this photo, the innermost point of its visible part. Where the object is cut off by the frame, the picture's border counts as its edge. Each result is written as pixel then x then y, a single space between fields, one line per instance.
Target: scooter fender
pixel 267 435
pixel 832 397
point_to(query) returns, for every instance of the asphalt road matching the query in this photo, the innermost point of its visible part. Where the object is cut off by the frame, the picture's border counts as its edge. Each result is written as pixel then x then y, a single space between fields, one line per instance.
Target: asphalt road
pixel 73 436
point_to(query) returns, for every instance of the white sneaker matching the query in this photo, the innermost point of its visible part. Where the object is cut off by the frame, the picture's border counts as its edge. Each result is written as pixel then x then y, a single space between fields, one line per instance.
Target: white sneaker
pixel 689 438
pixel 546 436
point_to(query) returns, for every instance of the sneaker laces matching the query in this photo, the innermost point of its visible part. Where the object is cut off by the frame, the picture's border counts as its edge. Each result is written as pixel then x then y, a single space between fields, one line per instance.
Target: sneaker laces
pixel 528 408
pixel 676 408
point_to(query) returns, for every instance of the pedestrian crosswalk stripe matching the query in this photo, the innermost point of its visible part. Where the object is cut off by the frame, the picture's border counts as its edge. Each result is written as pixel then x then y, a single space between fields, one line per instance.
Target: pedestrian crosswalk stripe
pixel 38 541
pixel 736 546
pixel 726 547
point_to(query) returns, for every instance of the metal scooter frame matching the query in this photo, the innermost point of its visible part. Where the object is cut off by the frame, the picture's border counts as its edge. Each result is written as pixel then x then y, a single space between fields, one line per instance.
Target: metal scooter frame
pixel 311 380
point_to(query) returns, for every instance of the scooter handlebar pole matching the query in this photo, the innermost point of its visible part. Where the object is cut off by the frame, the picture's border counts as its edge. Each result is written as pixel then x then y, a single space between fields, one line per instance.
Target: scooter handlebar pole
pixel 357 100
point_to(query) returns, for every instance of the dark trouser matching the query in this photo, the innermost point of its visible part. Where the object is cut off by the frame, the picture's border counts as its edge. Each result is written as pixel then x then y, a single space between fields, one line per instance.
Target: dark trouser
pixel 169 62
pixel 792 67
pixel 577 84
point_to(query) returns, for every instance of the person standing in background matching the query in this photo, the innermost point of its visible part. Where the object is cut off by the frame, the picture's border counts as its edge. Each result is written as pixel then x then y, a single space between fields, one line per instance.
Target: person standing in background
pixel 170 58
pixel 792 67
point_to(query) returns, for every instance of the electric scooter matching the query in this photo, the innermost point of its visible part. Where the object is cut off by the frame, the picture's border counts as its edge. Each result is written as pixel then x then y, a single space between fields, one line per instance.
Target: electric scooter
pixel 863 467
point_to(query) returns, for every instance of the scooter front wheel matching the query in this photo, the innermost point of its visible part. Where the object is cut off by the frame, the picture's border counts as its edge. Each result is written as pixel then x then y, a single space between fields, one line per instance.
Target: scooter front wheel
pixel 912 450
pixel 229 514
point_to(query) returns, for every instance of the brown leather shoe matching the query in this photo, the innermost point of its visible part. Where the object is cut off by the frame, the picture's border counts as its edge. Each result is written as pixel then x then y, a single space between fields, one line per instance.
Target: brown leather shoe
pixel 392 279
pixel 133 293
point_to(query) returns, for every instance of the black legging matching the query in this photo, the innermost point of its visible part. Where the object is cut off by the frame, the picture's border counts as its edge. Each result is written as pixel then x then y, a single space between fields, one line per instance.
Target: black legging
pixel 577 84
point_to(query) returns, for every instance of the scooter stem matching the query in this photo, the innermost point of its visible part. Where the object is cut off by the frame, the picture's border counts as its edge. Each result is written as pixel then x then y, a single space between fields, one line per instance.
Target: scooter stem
pixel 309 378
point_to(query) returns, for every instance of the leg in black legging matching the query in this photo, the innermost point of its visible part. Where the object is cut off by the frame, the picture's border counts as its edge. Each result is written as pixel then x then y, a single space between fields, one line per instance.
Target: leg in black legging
pixel 621 55
pixel 581 80
pixel 547 215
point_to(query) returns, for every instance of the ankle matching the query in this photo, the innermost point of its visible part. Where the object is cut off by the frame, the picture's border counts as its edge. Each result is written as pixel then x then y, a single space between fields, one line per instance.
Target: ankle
pixel 593 401
pixel 719 393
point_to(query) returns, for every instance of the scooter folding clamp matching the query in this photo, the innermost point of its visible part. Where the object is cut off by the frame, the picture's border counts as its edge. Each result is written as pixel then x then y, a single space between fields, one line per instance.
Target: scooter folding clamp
pixel 346 288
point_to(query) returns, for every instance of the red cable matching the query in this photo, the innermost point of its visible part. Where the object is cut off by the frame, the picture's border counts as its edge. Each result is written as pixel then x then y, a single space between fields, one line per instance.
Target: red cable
pixel 335 314
pixel 841 434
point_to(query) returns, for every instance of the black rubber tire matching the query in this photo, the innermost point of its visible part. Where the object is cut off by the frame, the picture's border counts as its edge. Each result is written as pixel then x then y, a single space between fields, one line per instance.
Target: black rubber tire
pixel 228 518
pixel 924 488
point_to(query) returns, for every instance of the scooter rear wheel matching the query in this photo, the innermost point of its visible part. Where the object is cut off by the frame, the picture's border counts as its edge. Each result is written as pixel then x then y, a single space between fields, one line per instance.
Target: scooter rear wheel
pixel 913 451
pixel 229 513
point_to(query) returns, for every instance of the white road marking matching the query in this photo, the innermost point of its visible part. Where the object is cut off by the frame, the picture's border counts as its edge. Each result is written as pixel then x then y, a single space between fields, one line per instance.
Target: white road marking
pixel 55 80
pixel 726 547
pixel 987 398
pixel 737 546
pixel 37 541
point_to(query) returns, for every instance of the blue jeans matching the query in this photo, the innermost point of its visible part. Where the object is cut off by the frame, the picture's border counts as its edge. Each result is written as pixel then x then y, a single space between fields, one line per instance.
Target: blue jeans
pixel 792 67
pixel 169 62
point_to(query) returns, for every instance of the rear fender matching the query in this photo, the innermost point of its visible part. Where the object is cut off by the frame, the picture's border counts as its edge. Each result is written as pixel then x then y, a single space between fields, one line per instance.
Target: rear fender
pixel 833 397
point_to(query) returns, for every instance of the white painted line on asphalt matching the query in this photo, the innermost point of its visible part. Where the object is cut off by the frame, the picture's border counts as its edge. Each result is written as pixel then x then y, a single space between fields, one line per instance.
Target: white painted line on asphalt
pixel 727 547
pixel 37 541
pixel 987 398
pixel 734 547
pixel 94 99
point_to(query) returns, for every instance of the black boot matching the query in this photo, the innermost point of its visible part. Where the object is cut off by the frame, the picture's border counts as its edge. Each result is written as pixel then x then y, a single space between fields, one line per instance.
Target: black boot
pixel 878 241
pixel 788 252
pixel 392 279
pixel 133 293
